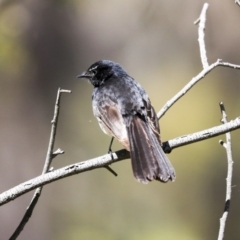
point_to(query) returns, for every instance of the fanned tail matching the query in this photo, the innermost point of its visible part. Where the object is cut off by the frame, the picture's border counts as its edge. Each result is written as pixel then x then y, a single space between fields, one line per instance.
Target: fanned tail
pixel 149 162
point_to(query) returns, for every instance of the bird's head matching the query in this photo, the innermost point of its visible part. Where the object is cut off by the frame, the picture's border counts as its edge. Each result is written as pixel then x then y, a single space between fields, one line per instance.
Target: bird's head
pixel 99 72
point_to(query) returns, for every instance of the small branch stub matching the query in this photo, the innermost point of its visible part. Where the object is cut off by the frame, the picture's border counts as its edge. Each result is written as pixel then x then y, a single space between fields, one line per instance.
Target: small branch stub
pixel 57 152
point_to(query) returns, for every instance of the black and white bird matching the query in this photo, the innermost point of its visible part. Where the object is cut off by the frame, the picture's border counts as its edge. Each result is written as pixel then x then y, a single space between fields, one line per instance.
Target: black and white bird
pixel 124 111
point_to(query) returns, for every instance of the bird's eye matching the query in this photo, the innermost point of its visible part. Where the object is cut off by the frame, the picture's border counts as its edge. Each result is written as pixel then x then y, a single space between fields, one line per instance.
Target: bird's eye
pixel 93 70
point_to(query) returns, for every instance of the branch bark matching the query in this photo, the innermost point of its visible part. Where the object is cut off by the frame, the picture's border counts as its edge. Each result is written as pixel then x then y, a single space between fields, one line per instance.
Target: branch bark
pixel 103 161
pixel 49 157
pixel 228 147
pixel 194 80
pixel 201 21
pixel 107 159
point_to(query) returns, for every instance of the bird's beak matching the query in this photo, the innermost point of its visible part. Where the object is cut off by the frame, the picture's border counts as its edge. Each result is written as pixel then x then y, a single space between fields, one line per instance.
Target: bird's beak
pixel 85 75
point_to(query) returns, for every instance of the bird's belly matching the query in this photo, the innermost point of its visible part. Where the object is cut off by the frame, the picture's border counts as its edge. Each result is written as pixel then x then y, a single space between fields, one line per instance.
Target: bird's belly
pixel 120 132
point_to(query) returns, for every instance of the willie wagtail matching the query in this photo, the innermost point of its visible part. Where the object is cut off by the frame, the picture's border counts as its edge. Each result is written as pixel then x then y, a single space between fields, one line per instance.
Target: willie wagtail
pixel 124 111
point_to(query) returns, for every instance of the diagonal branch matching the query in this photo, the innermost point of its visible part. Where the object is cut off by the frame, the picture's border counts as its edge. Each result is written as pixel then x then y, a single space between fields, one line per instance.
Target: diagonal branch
pixel 49 157
pixel 206 67
pixel 107 159
pixel 194 80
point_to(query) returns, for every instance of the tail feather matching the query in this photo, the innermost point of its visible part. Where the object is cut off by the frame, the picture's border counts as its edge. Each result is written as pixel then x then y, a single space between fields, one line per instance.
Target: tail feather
pixel 149 162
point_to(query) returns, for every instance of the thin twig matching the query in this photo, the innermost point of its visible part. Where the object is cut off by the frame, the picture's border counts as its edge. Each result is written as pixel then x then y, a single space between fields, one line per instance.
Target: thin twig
pixel 111 170
pixel 228 147
pixel 206 67
pixel 49 157
pixel 107 159
pixel 201 21
pixel 194 80
pixel 237 2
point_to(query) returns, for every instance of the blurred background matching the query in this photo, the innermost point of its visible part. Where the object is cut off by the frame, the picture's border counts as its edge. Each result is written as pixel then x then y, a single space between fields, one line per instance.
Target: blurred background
pixel 45 45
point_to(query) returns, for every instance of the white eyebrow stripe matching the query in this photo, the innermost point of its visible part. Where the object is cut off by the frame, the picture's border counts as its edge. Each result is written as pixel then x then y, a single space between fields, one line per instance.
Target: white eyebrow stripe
pixel 93 68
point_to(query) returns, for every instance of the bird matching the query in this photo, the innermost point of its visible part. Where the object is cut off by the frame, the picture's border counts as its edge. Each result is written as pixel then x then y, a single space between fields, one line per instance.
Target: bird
pixel 124 111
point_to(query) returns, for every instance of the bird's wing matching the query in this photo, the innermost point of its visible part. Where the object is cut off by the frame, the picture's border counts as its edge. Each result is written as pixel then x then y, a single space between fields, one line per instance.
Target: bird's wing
pixel 110 120
pixel 152 119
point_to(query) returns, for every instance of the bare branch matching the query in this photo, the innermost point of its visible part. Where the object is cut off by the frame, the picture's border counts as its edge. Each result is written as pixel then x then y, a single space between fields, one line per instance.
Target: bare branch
pixel 107 159
pixel 49 157
pixel 201 21
pixel 206 67
pixel 228 147
pixel 237 2
pixel 57 174
pixel 49 176
pixel 205 134
pixel 194 80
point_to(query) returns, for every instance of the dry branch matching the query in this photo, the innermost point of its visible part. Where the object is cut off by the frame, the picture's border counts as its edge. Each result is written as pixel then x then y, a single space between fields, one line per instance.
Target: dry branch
pixel 104 160
pixel 228 147
pixel 48 160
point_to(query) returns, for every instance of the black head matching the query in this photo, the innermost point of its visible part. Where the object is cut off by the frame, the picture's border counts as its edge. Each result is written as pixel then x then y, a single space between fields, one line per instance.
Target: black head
pixel 99 72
